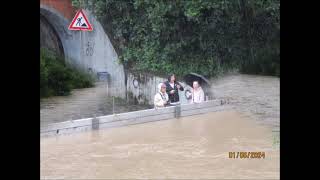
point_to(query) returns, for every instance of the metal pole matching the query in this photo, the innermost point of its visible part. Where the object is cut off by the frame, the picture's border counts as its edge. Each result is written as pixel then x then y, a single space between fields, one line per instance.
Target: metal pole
pixel 112 104
pixel 107 89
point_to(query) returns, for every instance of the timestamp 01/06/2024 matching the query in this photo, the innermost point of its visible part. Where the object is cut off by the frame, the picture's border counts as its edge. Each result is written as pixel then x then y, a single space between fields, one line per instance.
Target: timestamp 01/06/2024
pixel 247 155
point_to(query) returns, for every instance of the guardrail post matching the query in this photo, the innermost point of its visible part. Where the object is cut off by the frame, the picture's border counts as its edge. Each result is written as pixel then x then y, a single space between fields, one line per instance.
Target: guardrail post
pixel 112 104
pixel 95 123
pixel 177 111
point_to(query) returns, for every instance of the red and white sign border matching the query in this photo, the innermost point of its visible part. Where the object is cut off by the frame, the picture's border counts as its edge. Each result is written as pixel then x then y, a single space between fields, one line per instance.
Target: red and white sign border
pixel 89 28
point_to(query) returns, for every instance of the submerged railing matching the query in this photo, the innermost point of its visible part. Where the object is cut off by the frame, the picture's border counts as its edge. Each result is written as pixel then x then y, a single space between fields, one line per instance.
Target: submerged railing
pixel 130 118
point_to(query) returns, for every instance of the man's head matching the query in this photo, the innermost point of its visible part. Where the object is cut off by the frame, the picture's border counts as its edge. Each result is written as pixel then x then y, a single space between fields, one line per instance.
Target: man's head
pixel 162 87
pixel 195 84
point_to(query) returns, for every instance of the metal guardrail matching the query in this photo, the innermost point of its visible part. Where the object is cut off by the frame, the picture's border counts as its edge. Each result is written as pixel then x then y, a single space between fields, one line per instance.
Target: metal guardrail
pixel 130 118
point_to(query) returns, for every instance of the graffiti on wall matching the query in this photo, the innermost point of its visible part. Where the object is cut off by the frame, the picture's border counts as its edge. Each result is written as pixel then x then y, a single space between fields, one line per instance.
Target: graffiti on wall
pixel 89 48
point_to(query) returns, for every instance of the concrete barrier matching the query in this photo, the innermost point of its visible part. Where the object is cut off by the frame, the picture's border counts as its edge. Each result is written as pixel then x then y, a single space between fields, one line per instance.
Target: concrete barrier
pixel 131 118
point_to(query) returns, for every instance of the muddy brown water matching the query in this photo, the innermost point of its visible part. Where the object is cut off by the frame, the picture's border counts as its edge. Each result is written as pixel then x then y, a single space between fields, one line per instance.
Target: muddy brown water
pixel 83 103
pixel 194 147
pixel 190 147
pixel 256 96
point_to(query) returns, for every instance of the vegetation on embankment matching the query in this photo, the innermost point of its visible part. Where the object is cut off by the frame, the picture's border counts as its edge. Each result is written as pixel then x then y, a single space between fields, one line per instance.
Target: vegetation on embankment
pixel 203 36
pixel 57 78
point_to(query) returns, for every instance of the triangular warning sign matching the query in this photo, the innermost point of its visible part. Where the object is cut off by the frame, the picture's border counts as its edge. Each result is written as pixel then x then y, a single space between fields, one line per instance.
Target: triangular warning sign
pixel 80 22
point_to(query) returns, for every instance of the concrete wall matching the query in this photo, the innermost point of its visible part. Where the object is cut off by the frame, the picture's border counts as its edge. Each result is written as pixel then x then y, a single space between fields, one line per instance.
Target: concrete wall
pixel 141 88
pixel 147 87
pixel 98 54
pixel 90 51
pixel 131 118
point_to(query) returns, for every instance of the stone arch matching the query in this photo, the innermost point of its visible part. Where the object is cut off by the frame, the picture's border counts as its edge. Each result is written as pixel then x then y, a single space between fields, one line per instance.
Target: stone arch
pixel 49 38
pixel 59 26
pixel 89 51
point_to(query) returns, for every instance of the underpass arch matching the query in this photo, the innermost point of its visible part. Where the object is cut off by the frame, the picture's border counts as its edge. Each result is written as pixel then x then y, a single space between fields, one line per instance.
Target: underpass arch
pixel 70 44
pixel 91 51
pixel 49 38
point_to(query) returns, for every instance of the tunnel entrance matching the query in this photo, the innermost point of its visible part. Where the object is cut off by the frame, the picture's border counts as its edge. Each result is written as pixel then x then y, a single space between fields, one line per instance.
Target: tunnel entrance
pixel 49 38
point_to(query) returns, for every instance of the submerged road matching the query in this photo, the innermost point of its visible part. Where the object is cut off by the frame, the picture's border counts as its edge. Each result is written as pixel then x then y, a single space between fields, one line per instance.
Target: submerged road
pixel 190 147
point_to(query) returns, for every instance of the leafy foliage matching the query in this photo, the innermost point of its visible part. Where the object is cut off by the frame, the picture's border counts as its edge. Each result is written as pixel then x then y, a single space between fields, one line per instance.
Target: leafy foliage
pixel 56 78
pixel 203 36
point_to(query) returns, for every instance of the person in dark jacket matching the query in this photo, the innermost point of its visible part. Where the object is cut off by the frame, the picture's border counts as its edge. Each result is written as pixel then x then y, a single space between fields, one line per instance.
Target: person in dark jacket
pixel 172 89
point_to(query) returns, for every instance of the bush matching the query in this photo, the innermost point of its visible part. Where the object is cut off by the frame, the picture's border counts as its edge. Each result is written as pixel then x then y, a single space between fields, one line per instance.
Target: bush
pixel 80 79
pixel 43 78
pixel 58 79
pixel 267 64
pixel 203 36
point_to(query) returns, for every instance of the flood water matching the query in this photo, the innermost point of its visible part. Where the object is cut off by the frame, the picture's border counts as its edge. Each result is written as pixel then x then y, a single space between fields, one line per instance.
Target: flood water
pixel 256 96
pixel 83 103
pixel 190 147
pixel 186 148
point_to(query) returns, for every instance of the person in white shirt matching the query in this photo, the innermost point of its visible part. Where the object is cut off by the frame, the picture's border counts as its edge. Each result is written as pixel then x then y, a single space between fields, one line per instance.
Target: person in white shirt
pixel 161 98
pixel 197 94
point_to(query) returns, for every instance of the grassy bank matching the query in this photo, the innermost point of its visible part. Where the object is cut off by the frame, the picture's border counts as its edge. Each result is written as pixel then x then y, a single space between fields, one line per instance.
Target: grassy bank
pixel 57 78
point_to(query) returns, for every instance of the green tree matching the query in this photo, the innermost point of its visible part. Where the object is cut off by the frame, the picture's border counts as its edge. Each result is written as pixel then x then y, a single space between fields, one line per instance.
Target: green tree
pixel 203 36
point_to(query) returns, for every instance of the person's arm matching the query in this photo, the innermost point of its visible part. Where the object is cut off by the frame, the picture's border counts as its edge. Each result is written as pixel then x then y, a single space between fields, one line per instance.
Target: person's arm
pixel 168 88
pixel 201 96
pixel 158 102
pixel 192 98
pixel 167 99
